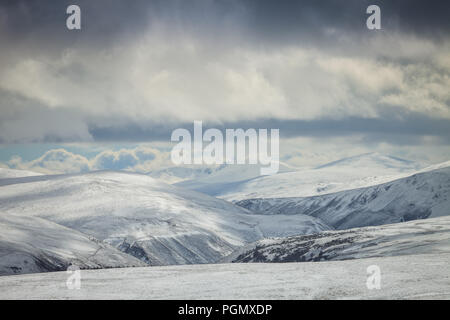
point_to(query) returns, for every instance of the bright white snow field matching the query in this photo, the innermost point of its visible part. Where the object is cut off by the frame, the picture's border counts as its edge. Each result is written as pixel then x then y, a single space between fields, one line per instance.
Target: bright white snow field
pixel 424 276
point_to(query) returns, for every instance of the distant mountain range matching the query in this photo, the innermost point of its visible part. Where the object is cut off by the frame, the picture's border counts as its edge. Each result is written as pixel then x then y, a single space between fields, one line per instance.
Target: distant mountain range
pixel 235 183
pixel 421 195
pixel 118 219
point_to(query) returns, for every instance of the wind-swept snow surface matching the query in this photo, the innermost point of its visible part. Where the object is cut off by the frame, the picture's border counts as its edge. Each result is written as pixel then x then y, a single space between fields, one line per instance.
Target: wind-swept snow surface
pixel 158 223
pixel 414 237
pixel 424 276
pixel 31 244
pixel 422 195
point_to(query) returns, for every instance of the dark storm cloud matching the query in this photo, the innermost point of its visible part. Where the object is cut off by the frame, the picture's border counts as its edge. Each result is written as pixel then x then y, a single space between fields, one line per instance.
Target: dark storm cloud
pixel 397 129
pixel 288 19
pixel 33 28
pixel 22 18
pixel 43 22
pixel 27 120
pixel 261 20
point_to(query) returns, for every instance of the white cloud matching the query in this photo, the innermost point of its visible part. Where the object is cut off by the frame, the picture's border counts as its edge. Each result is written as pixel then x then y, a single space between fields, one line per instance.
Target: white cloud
pixel 152 79
pixel 297 151
pixel 140 159
pixel 53 161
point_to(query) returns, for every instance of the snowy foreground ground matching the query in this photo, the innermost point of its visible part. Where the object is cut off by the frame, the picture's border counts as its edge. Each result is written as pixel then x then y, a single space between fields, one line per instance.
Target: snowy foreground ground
pixel 425 276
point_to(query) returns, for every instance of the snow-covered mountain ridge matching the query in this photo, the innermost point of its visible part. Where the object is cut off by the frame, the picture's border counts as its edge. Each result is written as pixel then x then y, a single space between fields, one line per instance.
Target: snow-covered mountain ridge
pixel 244 182
pixel 429 236
pixel 422 195
pixel 31 244
pixel 135 216
pixel 158 223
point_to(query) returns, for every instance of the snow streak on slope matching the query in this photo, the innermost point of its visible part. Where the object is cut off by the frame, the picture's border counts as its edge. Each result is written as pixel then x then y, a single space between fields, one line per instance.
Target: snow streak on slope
pixel 418 196
pixel 425 276
pixel 345 174
pixel 158 223
pixel 414 237
pixel 30 244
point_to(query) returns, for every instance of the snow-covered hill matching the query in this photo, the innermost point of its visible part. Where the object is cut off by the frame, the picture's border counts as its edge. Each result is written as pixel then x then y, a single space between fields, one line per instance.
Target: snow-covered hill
pixel 376 162
pixel 423 276
pixel 196 176
pixel 31 244
pixel 430 236
pixel 12 173
pixel 223 177
pixel 422 195
pixel 345 174
pixel 156 222
pixel 182 173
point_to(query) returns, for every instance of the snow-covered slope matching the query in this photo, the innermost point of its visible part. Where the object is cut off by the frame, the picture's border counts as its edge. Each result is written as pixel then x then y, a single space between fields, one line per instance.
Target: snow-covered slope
pixel 12 173
pixel 196 176
pixel 414 237
pixel 225 177
pixel 422 195
pixel 156 222
pixel 201 174
pixel 182 173
pixel 424 276
pixel 345 174
pixel 31 244
pixel 376 162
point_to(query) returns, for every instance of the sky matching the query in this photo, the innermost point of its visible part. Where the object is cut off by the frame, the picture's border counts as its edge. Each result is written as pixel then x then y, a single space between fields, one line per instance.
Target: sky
pixel 109 95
